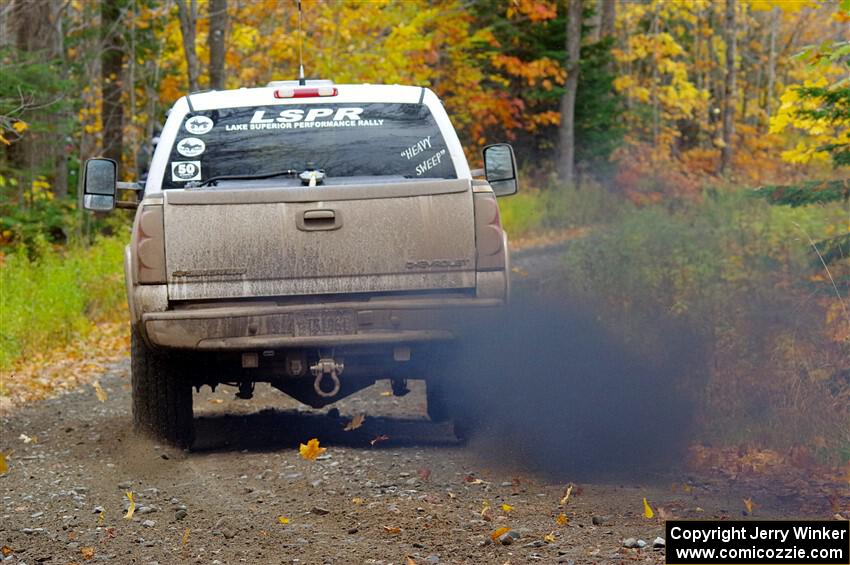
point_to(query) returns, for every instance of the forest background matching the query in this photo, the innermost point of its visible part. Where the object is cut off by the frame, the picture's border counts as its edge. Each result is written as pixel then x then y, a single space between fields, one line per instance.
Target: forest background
pixel 696 151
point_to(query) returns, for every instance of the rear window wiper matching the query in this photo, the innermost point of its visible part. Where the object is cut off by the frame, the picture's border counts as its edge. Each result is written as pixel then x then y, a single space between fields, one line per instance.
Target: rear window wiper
pixel 257 176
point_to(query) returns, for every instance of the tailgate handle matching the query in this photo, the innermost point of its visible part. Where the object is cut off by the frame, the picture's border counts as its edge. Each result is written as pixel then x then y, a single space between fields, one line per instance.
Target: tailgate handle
pixel 317 220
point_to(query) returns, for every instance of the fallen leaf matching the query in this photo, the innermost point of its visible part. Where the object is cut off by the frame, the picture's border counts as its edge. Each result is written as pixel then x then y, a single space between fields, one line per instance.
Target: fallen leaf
pixel 519 271
pixel 424 474
pixel 87 552
pixel 379 439
pixel 99 392
pixel 4 468
pixel 647 509
pixel 471 480
pixel 100 517
pixel 497 533
pixel 216 401
pixel 567 492
pixel 687 488
pixel 27 439
pixel 549 538
pixel 387 393
pixel 283 520
pixel 562 519
pixel 311 450
pixel 6 550
pixel 132 508
pixel 485 511
pixel 357 500
pixel 392 529
pixel 409 561
pixel 186 536
pixel 748 504
pixel 355 423
pixel 507 508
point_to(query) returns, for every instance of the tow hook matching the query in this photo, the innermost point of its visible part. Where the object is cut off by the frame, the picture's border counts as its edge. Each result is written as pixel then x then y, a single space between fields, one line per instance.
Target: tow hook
pixel 326 367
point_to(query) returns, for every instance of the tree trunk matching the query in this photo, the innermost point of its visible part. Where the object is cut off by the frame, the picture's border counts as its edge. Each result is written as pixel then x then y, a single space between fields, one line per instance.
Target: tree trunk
pixel 216 42
pixel 38 31
pixel 566 165
pixel 729 102
pixel 188 22
pixel 112 79
pixel 771 63
pixel 608 17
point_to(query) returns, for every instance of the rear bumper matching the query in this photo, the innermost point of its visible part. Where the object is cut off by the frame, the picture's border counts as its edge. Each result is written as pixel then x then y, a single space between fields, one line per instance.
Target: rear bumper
pixel 273 326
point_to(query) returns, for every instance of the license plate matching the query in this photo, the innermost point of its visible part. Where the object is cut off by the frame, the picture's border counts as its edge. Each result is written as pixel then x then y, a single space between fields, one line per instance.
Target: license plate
pixel 323 323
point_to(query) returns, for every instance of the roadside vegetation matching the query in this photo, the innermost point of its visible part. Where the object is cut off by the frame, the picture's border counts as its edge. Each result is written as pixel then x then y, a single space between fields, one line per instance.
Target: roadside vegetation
pixel 51 297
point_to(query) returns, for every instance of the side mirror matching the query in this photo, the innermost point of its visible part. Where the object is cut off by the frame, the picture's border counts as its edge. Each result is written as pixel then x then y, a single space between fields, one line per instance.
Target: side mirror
pixel 100 177
pixel 500 168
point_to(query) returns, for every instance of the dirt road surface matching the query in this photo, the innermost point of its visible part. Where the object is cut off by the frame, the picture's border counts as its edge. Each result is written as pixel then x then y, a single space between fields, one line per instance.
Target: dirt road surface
pixel 244 495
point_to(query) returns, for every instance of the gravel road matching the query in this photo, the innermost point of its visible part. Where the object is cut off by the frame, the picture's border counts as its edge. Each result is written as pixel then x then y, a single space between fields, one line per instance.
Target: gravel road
pixel 244 495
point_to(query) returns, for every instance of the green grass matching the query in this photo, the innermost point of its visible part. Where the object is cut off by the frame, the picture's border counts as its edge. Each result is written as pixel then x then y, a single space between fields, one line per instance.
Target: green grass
pixel 49 301
pixel 533 211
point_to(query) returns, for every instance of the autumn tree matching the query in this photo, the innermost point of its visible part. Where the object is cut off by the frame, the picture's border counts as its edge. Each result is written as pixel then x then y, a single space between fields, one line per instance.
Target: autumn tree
pixel 729 98
pixel 112 78
pixel 216 42
pixel 188 14
pixel 566 163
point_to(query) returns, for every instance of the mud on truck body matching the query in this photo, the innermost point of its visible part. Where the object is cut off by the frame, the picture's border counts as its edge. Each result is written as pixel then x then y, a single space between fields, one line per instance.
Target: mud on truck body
pixel 317 237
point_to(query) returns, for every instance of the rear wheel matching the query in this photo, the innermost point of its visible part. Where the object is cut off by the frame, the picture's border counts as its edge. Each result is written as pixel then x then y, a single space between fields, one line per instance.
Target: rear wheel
pixel 162 395
pixel 443 407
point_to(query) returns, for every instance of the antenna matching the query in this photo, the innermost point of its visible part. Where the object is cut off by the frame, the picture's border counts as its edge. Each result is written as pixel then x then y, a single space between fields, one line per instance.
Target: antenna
pixel 301 80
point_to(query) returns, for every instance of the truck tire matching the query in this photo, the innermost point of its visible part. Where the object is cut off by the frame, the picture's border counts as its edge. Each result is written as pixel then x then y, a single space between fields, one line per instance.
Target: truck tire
pixel 162 396
pixel 438 405
pixel 441 408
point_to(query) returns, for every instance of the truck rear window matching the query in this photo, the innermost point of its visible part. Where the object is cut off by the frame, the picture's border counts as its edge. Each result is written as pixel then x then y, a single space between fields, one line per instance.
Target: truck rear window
pixel 346 140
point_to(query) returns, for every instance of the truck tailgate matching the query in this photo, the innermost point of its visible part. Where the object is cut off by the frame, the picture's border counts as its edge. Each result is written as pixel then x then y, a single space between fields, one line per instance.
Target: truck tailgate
pixel 408 236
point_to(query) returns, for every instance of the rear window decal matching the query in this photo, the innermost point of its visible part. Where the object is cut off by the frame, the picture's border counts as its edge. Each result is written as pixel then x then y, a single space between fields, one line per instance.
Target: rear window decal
pixel 191 147
pixel 199 125
pixel 185 170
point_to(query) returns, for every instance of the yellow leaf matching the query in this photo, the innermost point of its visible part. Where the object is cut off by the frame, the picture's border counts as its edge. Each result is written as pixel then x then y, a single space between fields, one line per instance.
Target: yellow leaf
pixel 748 504
pixel 392 529
pixel 98 390
pixel 409 561
pixel 495 535
pixel 4 468
pixel 186 536
pixel 386 393
pixel 87 553
pixel 311 450
pixel 562 519
pixel 507 508
pixel 647 509
pixel 357 500
pixel 283 520
pixel 100 517
pixel 485 511
pixel 132 508
pixel 4 141
pixel 20 126
pixel 355 423
pixel 567 494
pixel 549 538
pixel 6 550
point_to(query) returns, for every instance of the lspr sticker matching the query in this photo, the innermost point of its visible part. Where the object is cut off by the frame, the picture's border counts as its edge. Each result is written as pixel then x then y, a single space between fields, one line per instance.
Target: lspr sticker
pixel 185 170
pixel 191 147
pixel 199 125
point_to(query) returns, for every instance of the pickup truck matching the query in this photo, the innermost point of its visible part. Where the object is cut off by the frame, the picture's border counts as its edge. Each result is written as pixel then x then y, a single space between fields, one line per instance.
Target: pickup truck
pixel 313 236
